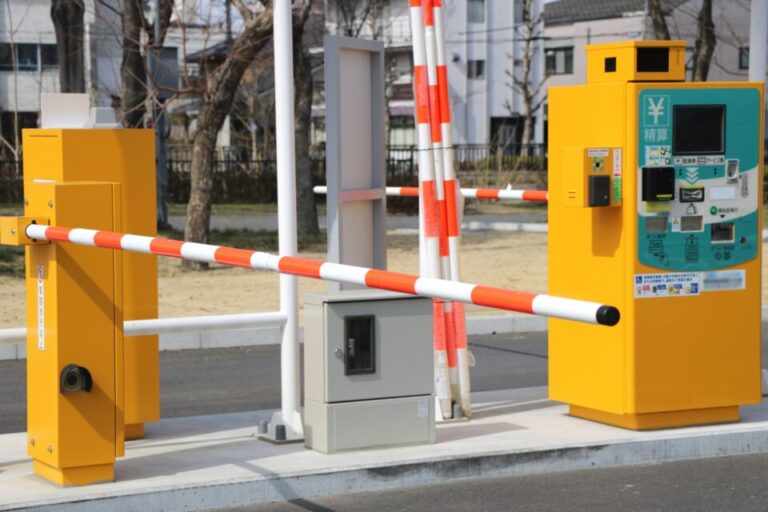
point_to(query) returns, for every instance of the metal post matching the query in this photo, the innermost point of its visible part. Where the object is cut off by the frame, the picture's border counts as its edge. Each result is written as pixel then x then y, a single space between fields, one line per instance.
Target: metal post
pixel 161 157
pixel 758 39
pixel 159 122
pixel 286 219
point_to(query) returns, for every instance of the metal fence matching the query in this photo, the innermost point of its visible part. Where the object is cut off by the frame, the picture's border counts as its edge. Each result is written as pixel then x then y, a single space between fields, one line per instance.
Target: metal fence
pixel 11 182
pixel 241 177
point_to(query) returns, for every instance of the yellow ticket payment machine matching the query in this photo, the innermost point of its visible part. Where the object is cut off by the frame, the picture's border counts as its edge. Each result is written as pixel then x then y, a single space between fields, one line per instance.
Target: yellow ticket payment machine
pixel 655 205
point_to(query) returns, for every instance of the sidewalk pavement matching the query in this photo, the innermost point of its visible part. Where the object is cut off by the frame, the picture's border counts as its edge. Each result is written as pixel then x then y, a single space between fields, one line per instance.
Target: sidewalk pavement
pixel 212 462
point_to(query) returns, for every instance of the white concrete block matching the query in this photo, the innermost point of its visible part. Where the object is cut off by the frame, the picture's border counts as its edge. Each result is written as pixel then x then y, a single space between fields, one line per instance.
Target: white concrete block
pixel 240 338
pixel 8 352
pixel 180 341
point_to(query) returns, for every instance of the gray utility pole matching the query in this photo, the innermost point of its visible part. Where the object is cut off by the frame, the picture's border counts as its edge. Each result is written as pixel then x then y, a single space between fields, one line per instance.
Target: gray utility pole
pixel 758 40
pixel 160 124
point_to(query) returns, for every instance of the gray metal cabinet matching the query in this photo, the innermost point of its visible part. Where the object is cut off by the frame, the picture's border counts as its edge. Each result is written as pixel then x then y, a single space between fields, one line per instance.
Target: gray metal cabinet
pixel 368 370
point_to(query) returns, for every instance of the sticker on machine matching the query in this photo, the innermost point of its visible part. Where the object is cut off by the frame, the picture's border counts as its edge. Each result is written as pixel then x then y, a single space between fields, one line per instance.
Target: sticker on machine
pixel 678 284
pixel 724 280
pixel 658 155
pixel 40 307
pixel 423 408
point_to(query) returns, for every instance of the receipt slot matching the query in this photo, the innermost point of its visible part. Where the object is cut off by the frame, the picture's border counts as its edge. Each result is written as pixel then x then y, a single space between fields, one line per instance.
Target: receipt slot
pixel 676 245
pixel 368 370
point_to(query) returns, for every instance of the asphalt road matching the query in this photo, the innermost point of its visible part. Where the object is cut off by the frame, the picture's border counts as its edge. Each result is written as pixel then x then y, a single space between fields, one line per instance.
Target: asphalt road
pixel 211 381
pixel 733 484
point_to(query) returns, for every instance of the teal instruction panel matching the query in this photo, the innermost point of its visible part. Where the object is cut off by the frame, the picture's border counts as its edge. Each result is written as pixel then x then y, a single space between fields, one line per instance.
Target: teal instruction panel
pixel 698 178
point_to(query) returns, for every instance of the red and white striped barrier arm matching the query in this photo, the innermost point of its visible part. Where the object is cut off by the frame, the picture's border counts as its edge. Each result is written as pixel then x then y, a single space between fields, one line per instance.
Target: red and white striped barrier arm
pixel 496 193
pixel 469 193
pixel 499 298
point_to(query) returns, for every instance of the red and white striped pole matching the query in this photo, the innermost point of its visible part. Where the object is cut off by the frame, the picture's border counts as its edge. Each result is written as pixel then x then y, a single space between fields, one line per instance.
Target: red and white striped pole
pixel 437 155
pixel 451 205
pixel 428 211
pixel 469 193
pixel 499 298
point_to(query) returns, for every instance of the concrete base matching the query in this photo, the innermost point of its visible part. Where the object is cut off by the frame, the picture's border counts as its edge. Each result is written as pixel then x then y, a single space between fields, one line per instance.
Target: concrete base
pixel 293 430
pixel 134 431
pixel 214 461
pixel 659 420
pixel 65 477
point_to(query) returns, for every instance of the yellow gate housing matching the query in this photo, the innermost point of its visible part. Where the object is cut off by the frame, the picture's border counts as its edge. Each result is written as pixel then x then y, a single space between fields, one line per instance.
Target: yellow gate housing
pixel 655 205
pixel 88 388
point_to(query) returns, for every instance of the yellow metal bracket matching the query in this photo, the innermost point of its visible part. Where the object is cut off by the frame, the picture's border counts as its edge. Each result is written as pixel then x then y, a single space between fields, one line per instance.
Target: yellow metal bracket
pixel 13 230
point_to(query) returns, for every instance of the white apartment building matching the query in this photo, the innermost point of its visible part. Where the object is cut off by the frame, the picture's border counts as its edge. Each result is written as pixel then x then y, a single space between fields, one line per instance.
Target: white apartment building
pixel 26 29
pixel 570 25
pixel 481 47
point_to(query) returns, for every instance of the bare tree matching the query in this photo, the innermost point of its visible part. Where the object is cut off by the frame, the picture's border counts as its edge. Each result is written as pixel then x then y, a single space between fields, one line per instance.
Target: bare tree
pixel 220 91
pixel 656 12
pixel 68 23
pixel 353 15
pixel 14 148
pixel 705 42
pixel 307 224
pixel 133 69
pixel 523 83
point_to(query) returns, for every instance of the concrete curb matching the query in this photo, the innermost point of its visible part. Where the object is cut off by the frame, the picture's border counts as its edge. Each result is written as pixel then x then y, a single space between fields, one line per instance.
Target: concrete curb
pixel 476 325
pixel 367 479
pixel 286 473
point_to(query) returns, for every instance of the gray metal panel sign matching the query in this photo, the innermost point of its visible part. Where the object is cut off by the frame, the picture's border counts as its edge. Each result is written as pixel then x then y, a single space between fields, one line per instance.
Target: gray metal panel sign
pixel 355 176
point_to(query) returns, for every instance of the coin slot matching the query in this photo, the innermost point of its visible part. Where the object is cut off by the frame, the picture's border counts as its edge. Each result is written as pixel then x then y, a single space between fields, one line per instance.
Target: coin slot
pixel 691 194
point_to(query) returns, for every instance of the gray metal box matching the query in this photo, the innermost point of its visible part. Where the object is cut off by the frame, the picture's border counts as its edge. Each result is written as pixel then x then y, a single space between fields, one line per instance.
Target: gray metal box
pixel 368 370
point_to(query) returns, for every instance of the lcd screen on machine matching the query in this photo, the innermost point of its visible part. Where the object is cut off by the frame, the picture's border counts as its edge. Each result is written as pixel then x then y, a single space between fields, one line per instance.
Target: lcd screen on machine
pixel 698 129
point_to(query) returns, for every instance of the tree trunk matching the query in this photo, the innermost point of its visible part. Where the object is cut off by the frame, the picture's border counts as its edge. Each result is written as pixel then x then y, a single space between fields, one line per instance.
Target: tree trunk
pixel 306 210
pixel 705 42
pixel 660 29
pixel 132 70
pixel 67 17
pixel 527 137
pixel 217 101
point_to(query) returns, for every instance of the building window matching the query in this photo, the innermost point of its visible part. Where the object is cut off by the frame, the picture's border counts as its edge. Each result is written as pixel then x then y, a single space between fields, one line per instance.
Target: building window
pixel 26 57
pixel 48 56
pixel 29 57
pixel 520 13
pixel 6 59
pixel 401 133
pixel 744 57
pixel 476 11
pixel 475 69
pixel 559 61
pixel 20 120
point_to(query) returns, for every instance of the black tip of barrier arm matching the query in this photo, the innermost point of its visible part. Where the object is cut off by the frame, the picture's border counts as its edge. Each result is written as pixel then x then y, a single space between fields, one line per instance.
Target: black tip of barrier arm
pixel 608 315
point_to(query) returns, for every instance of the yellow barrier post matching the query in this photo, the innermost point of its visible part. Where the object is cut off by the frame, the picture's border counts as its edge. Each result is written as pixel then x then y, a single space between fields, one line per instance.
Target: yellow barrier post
pixel 75 397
